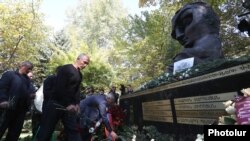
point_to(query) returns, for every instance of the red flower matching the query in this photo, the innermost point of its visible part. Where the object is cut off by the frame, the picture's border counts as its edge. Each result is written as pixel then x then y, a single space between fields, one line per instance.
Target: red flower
pixel 117 114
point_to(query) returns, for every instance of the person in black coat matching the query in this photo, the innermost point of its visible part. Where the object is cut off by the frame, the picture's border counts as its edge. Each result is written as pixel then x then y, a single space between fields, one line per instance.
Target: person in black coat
pixel 14 100
pixel 64 102
pixel 49 87
pixel 48 90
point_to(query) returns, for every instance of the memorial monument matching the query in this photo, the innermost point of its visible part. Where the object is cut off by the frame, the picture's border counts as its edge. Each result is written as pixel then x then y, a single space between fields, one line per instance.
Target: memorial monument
pixel 196 26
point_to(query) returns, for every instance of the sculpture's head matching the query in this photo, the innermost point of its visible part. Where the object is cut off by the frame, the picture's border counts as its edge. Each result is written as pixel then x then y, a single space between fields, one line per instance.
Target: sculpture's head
pixel 193 21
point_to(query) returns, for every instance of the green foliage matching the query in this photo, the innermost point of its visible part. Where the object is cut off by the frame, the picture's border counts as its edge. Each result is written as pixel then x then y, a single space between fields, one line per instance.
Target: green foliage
pixel 21 31
pixel 61 41
pixel 128 50
pixel 97 73
pixel 146 46
pixel 198 70
pixel 229 120
pixel 97 21
pixel 234 45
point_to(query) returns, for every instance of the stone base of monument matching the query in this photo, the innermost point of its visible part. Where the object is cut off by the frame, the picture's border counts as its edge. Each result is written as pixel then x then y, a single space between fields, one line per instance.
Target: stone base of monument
pixel 183 107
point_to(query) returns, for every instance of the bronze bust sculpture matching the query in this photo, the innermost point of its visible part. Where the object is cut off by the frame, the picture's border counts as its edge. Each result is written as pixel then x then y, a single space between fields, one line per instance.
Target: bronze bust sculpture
pixel 196 26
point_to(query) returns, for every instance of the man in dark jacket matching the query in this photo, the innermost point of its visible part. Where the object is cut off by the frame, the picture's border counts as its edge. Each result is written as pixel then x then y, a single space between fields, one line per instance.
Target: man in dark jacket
pixel 94 109
pixel 49 87
pixel 64 103
pixel 48 90
pixel 14 100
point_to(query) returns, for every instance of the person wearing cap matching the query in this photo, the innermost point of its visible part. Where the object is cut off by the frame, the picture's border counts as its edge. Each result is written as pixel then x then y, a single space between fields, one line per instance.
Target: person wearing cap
pixel 93 109
pixel 14 100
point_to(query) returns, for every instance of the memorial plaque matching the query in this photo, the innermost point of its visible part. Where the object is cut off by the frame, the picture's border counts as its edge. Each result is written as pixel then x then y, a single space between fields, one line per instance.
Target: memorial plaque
pixel 215 97
pixel 157 107
pixel 201 114
pixel 157 111
pixel 200 106
pixel 200 79
pixel 196 121
pixel 201 109
pixel 158 118
pixel 161 113
pixel 159 102
pixel 196 101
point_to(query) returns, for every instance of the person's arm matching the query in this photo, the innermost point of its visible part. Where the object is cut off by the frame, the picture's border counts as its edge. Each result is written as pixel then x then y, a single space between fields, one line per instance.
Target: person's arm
pixel 102 108
pixel 32 90
pixel 5 83
pixel 48 87
pixel 103 112
pixel 61 85
pixel 77 96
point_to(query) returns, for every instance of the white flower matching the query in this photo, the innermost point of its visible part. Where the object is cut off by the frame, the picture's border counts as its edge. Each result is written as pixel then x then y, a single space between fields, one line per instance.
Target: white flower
pixel 246 92
pixel 233 104
pixel 221 120
pixel 230 110
pixel 186 75
pixel 134 138
pixel 221 123
pixel 233 116
pixel 166 74
pixel 152 140
pixel 227 103
pixel 200 137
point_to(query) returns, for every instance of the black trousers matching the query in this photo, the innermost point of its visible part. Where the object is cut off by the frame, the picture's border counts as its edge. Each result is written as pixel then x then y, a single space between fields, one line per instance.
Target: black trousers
pixel 50 118
pixel 86 136
pixel 13 121
pixel 36 120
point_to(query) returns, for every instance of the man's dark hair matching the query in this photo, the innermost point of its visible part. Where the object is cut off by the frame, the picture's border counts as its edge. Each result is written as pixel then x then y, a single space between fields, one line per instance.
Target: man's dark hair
pixel 90 89
pixel 27 64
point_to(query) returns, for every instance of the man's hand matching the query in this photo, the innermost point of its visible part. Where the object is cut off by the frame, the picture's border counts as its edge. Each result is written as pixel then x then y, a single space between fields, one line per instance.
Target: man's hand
pixel 77 109
pixel 113 135
pixel 73 108
pixel 4 104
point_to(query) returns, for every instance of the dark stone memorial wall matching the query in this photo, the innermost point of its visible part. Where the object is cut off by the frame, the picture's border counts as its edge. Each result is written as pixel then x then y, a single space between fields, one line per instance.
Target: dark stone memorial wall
pixel 183 107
